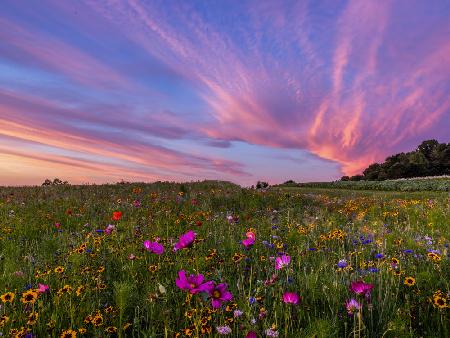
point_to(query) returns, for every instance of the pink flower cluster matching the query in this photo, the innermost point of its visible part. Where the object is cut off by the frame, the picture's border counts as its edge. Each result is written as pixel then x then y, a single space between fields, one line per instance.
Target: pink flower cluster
pixel 195 284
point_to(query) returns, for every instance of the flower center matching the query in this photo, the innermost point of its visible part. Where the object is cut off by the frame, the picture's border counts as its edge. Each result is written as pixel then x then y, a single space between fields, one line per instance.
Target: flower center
pixel 216 294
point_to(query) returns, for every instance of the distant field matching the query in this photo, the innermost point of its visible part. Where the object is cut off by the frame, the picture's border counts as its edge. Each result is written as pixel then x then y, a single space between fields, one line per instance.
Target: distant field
pixel 415 184
pixel 108 261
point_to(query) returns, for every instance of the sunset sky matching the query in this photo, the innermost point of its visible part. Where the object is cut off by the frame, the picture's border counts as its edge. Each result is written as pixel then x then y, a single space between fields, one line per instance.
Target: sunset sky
pixel 98 91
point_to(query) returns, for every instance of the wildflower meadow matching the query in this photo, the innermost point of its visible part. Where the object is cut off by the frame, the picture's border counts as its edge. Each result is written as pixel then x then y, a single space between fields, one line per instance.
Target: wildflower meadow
pixel 214 259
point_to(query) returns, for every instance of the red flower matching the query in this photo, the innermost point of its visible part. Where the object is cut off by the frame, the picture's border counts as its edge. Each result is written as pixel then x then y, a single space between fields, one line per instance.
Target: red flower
pixel 117 215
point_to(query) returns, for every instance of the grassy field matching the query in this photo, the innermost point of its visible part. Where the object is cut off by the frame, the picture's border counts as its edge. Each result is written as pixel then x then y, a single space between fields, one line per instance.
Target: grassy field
pixel 117 260
pixel 437 183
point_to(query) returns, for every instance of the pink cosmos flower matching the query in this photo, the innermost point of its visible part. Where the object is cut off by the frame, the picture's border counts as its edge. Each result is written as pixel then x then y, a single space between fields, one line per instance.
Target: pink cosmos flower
pixel 219 294
pixel 352 306
pixel 194 283
pixel 43 288
pixel 154 247
pixel 361 288
pixel 131 257
pixel 250 240
pixel 185 240
pixel 282 261
pixel 251 334
pixel 57 225
pixel 291 298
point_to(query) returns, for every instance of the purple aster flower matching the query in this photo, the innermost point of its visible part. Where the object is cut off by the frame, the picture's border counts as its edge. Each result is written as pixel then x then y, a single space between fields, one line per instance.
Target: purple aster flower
pixel 223 330
pixel 342 264
pixel 110 228
pixel 237 313
pixel 271 333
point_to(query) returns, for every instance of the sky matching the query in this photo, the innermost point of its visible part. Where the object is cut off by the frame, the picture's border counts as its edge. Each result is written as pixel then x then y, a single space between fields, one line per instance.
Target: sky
pixel 97 91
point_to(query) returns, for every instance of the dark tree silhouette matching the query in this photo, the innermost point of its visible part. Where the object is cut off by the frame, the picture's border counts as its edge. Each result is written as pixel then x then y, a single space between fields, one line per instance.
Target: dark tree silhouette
pixel 431 158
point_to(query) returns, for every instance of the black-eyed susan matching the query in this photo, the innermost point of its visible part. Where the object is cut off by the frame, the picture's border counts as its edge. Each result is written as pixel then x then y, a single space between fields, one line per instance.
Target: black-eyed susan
pixel 126 326
pixel 205 329
pixel 87 319
pixel 13 332
pixel 79 250
pixel 410 281
pixel 80 290
pixel 65 289
pixel 29 297
pixel 97 320
pixel 440 302
pixel 237 257
pixel 189 314
pixel 189 331
pixel 101 286
pixel 7 297
pixel 153 268
pixel 434 256
pixel 59 269
pixel 3 320
pixel 85 270
pixel 82 330
pixel 111 329
pixel 32 318
pixel 68 334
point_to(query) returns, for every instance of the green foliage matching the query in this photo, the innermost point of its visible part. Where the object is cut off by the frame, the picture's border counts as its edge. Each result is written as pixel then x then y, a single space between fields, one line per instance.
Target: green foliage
pixel 416 184
pixel 431 158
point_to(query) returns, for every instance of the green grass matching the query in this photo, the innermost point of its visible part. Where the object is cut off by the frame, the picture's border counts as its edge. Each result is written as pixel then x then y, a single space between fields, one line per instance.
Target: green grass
pixel 139 298
pixel 416 184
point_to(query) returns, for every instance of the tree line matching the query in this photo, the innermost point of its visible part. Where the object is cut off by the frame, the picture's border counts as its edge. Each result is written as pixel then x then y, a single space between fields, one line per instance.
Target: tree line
pixel 430 158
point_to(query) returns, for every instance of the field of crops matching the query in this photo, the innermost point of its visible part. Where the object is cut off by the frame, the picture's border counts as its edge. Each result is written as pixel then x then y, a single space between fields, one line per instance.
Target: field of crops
pixel 212 259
